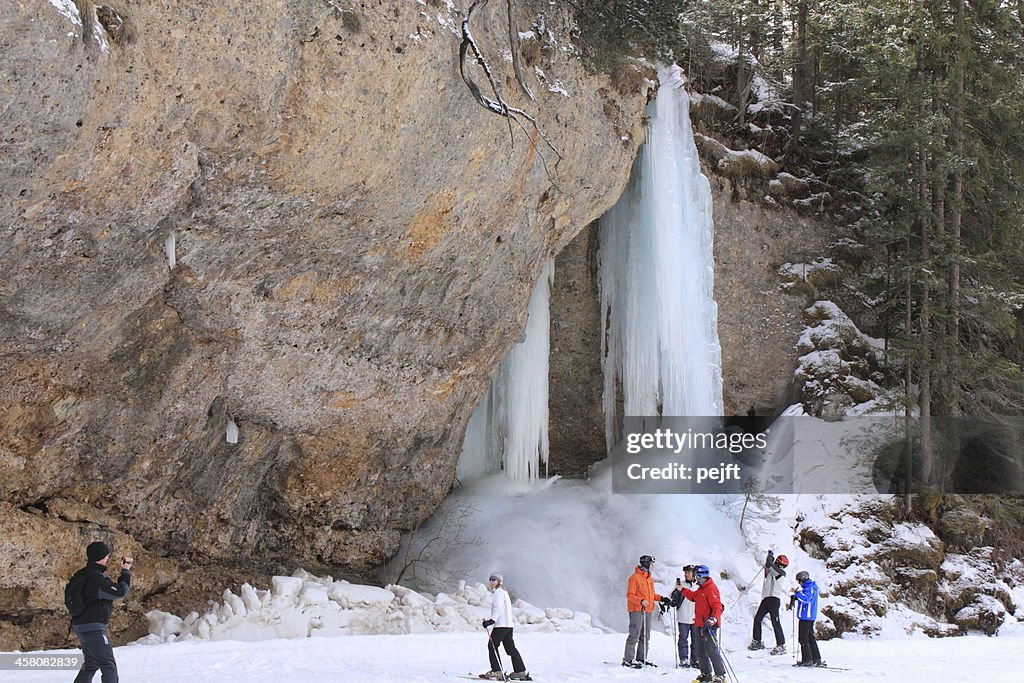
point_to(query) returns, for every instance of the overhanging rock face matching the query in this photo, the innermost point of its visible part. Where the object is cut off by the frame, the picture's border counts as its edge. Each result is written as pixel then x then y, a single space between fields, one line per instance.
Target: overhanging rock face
pixel 354 242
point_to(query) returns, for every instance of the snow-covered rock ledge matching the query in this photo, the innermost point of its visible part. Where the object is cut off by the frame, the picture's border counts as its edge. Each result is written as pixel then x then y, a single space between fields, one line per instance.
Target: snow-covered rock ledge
pixel 303 605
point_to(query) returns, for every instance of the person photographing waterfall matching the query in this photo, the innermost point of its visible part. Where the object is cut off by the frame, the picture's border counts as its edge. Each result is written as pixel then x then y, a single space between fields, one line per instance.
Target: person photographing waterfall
pixel 707 618
pixel 89 597
pixel 772 593
pixel 640 599
pixel 500 624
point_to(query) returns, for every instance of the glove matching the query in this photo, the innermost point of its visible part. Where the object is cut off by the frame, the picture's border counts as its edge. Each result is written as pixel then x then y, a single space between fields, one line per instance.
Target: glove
pixel 488 622
pixel 666 601
pixel 770 559
pixel 792 599
pixel 643 604
pixel 711 622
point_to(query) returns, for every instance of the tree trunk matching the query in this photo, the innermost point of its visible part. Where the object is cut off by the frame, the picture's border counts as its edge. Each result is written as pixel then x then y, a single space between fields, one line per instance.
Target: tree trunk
pixel 957 216
pixel 799 76
pixel 924 214
pixel 908 378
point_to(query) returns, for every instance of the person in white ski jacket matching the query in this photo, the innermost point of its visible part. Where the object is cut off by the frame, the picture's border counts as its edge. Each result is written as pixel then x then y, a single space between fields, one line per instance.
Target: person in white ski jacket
pixel 684 618
pixel 500 624
pixel 772 595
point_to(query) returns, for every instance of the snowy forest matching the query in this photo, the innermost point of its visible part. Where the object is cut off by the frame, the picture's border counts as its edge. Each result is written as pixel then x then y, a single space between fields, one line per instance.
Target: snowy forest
pixel 902 118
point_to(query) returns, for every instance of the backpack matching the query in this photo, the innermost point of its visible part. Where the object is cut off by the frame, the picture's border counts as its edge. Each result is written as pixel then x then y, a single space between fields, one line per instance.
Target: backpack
pixel 74 594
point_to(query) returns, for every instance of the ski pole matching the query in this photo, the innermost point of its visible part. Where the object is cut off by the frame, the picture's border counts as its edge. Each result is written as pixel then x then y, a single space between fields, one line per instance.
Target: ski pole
pixel 721 653
pixel 745 589
pixel 675 640
pixel 793 640
pixel 643 634
pixel 497 655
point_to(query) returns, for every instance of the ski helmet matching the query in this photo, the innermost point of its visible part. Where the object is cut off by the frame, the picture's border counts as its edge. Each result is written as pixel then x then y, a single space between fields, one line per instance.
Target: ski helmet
pixel 689 567
pixel 646 561
pixel 702 573
pixel 803 576
pixel 782 561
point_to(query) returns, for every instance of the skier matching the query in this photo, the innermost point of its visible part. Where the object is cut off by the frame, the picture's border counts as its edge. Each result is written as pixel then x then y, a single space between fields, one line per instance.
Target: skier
pixel 707 617
pixel 640 599
pixel 772 593
pixel 92 593
pixel 684 619
pixel 807 613
pixel 500 624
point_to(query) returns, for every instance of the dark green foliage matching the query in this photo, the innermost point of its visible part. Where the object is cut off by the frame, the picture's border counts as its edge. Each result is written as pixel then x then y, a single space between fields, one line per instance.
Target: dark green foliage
pixel 612 30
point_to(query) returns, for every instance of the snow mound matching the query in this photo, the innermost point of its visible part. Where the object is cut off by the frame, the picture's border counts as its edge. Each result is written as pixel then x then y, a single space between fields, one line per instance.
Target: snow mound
pixel 304 605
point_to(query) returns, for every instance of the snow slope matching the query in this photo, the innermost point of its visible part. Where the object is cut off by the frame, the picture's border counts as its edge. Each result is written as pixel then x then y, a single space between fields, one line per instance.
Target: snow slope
pixel 549 656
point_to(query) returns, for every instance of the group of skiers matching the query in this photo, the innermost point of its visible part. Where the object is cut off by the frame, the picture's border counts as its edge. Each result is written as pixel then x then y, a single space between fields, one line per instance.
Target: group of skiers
pixel 698 612
pixel 695 599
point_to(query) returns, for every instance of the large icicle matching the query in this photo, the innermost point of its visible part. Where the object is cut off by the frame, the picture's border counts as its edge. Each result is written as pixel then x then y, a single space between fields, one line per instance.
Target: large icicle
pixel 510 425
pixel 660 323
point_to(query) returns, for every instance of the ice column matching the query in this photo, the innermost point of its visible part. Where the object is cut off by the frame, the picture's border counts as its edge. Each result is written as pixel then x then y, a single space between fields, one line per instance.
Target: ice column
pixel 510 425
pixel 660 323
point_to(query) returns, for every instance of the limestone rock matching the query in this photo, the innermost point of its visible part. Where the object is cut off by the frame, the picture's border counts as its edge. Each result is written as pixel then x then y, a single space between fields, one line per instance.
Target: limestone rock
pixel 353 243
pixel 962 527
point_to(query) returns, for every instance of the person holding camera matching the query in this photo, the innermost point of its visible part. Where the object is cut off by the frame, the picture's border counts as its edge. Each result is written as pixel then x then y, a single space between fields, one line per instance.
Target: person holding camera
pixel 707 618
pixel 90 596
pixel 685 607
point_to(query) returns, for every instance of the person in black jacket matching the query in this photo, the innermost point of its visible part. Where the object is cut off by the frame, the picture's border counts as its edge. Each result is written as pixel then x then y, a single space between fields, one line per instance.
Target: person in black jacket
pixel 99 593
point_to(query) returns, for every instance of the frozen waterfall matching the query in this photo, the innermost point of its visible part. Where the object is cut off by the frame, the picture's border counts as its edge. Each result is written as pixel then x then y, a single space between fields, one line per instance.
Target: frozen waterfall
pixel 510 425
pixel 660 322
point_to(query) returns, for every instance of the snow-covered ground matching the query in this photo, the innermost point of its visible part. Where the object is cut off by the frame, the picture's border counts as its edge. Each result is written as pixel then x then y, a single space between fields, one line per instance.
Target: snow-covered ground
pixel 549 656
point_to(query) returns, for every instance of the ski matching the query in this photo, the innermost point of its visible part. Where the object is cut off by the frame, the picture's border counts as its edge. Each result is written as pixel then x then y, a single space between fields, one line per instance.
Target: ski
pixel 652 666
pixel 479 677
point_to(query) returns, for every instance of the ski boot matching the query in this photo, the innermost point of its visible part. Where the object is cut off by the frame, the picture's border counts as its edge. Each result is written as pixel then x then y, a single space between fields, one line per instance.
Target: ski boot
pixel 520 676
pixel 821 664
pixel 493 676
pixel 718 678
pixel 703 678
pixel 644 662
pixel 755 645
pixel 632 664
pixel 778 650
pixel 804 664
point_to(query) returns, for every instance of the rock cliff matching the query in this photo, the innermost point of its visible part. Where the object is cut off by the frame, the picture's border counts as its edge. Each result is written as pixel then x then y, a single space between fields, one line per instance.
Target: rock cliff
pixel 353 242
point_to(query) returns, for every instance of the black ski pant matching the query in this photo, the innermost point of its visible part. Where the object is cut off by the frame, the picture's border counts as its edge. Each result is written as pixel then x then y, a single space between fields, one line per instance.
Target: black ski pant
pixel 769 607
pixel 808 644
pixel 706 648
pixel 99 656
pixel 502 635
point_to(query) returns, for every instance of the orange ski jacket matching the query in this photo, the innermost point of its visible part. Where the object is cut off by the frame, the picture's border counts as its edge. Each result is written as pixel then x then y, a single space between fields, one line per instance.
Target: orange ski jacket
pixel 641 587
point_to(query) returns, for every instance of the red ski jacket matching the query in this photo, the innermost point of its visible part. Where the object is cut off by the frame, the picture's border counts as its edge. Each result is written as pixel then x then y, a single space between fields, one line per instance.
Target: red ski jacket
pixel 708 602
